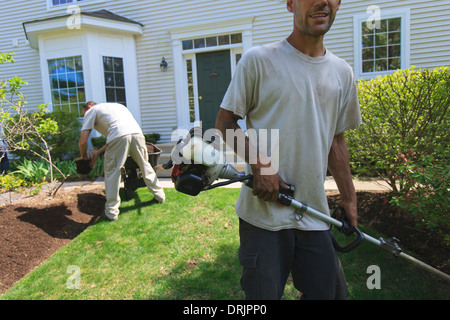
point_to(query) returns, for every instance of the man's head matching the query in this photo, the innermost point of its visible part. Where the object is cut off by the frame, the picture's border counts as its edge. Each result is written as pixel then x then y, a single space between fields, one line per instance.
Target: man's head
pixel 87 106
pixel 313 17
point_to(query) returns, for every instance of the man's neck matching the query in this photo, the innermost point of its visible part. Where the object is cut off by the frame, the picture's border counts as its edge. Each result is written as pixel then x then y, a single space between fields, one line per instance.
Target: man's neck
pixel 311 46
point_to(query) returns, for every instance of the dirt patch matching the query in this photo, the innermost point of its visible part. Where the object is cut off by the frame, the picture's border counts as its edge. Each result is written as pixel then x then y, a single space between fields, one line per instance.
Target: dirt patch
pixel 33 228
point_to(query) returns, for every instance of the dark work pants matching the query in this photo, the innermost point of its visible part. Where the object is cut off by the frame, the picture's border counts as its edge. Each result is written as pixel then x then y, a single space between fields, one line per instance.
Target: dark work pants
pixel 267 258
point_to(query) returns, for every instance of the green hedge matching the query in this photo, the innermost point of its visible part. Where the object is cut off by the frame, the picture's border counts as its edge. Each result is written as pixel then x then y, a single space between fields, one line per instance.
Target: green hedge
pixel 404 140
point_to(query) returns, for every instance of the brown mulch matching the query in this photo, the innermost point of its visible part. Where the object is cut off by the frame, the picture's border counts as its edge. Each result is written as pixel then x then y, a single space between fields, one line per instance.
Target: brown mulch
pixel 33 228
pixel 374 210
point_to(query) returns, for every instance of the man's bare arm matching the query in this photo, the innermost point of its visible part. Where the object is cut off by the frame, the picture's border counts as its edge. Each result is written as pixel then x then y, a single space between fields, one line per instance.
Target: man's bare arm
pixel 266 185
pixel 83 143
pixel 339 166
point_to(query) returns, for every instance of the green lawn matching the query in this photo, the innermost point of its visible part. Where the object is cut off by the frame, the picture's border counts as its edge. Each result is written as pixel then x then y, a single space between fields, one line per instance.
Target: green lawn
pixel 187 249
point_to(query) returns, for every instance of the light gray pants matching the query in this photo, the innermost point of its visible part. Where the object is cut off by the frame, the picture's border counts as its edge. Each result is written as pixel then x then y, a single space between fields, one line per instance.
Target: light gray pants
pixel 116 154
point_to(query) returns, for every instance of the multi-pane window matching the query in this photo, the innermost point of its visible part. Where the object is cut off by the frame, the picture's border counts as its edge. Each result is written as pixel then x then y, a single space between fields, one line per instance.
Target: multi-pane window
pixel 67 84
pixel 58 2
pixel 381 47
pixel 212 41
pixel 114 80
pixel 190 85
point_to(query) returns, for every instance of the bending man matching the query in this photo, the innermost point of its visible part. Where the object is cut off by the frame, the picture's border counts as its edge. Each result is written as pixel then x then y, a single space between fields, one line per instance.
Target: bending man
pixel 123 137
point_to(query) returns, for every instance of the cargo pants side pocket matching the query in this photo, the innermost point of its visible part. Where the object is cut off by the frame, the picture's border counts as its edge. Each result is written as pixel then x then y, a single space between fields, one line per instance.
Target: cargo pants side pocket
pixel 250 279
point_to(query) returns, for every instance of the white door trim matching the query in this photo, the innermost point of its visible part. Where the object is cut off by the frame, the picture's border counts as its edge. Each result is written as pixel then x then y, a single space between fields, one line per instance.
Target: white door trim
pixel 243 25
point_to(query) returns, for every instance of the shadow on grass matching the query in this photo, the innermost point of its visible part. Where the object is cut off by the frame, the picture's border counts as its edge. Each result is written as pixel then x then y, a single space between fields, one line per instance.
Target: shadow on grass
pixel 200 279
pixel 137 202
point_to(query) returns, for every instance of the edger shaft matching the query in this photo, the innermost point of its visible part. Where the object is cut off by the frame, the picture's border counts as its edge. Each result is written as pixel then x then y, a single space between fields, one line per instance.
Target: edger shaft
pixel 390 245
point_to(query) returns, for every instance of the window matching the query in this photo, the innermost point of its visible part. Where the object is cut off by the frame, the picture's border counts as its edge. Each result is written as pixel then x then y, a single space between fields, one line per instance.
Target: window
pixel 67 84
pixel 114 80
pixel 212 41
pixel 58 2
pixel 381 47
pixel 54 5
pixel 190 84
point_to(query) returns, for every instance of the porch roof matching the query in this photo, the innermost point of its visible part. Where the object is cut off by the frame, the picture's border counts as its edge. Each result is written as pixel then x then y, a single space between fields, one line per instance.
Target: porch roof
pixel 102 19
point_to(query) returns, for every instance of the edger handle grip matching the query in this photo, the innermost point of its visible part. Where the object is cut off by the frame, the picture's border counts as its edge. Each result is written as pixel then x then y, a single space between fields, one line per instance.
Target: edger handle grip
pixel 285 196
pixel 347 230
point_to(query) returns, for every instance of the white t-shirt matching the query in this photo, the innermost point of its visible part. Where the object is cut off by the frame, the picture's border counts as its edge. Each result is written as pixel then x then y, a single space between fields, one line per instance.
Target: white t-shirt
pixel 309 101
pixel 112 120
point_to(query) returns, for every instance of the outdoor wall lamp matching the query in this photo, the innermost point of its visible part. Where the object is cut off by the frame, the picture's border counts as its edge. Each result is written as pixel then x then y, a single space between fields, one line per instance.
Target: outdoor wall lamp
pixel 163 65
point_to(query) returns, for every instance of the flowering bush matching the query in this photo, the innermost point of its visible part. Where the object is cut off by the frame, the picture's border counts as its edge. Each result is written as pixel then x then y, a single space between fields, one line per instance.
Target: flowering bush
pixel 11 182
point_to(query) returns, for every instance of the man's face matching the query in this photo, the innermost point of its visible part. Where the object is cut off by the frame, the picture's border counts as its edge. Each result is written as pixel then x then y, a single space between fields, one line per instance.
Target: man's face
pixel 313 17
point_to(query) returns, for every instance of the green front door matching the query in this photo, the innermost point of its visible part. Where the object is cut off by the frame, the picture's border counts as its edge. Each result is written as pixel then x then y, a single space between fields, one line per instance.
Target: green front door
pixel 214 76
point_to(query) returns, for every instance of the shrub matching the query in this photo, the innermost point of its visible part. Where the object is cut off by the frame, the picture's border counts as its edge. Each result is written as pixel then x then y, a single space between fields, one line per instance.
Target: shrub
pixel 11 182
pixel 152 137
pixel 402 111
pixel 405 138
pixel 65 141
pixel 427 186
pixel 98 142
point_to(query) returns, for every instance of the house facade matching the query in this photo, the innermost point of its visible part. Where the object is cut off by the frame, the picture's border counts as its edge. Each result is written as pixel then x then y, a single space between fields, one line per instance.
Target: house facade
pixel 170 62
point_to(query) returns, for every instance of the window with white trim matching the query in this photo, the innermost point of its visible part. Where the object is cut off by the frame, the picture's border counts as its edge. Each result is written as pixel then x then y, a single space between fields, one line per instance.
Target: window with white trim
pixel 53 5
pixel 58 2
pixel 114 80
pixel 214 41
pixel 67 84
pixel 381 46
pixel 190 85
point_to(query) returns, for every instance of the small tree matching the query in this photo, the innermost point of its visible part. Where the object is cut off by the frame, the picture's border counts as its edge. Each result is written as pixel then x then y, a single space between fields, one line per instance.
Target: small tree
pixel 23 130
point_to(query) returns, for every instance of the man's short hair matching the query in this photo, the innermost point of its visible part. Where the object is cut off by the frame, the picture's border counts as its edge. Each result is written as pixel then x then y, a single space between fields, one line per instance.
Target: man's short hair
pixel 89 104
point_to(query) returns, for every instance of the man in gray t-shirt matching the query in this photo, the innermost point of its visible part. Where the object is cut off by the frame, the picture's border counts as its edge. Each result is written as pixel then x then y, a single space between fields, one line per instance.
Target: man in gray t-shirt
pixel 307 96
pixel 123 137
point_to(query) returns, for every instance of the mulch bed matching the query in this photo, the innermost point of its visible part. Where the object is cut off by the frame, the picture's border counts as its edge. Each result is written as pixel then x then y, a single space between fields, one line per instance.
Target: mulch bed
pixel 33 228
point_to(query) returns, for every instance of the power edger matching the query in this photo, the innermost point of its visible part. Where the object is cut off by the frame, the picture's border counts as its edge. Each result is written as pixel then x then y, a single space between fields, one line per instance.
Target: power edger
pixel 197 163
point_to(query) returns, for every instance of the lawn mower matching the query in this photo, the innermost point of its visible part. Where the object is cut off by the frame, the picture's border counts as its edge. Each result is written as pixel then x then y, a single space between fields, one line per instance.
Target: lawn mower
pixel 197 162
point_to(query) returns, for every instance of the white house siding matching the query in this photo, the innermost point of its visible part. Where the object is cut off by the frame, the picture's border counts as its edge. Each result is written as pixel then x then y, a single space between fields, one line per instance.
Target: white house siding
pixel 429 30
pixel 27 59
pixel 429 39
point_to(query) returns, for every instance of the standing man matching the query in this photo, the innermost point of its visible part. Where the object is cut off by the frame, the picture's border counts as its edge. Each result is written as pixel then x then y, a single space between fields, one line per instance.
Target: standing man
pixel 307 94
pixel 123 137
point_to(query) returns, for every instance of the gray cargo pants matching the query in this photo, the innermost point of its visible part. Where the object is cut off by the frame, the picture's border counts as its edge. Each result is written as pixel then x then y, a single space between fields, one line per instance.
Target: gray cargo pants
pixel 267 258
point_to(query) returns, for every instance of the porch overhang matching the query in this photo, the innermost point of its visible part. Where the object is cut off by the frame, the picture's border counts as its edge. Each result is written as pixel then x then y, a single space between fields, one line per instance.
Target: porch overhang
pixel 101 20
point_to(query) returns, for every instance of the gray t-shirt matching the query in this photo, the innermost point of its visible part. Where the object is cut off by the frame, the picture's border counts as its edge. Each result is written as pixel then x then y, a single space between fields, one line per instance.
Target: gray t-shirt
pixel 112 120
pixel 306 101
